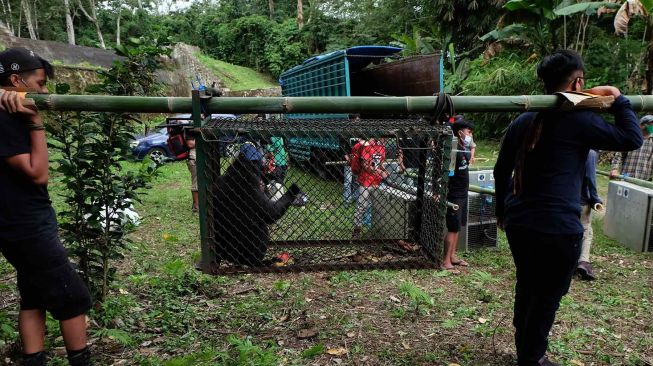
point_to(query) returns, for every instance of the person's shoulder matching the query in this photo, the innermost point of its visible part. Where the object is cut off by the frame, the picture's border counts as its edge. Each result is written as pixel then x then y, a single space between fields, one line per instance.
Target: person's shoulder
pixel 523 118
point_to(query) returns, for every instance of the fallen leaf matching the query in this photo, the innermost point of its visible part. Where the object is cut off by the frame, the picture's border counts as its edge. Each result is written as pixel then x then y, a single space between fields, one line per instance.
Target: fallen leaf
pixel 307 333
pixel 577 363
pixel 337 351
pixel 454 364
pixel 482 320
pixel 351 334
pixel 395 299
pixel 338 361
pixel 405 345
pixel 146 343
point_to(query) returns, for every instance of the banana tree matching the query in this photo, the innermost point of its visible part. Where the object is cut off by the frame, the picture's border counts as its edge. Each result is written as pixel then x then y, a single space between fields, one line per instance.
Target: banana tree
pixel 628 10
pixel 528 22
pixel 538 23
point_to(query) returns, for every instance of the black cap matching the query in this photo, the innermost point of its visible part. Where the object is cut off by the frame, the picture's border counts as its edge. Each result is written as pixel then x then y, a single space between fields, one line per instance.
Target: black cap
pixel 17 60
pixel 461 123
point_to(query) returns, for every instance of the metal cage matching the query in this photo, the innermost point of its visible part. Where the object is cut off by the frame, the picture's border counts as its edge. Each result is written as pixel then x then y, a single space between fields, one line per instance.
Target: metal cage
pixel 311 219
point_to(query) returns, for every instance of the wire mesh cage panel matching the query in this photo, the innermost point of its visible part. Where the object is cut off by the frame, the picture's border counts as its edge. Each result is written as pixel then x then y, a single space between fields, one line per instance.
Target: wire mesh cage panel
pixel 365 194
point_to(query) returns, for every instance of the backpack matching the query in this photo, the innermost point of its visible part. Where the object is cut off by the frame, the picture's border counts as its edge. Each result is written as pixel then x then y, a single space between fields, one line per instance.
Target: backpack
pixel 177 143
pixel 355 158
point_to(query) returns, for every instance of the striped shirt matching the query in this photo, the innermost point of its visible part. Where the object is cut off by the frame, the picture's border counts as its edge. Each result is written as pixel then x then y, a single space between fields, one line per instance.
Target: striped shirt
pixel 636 164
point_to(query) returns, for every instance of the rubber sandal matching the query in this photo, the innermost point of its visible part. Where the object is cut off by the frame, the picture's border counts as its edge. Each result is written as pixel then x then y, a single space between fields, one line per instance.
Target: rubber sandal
pixel 461 263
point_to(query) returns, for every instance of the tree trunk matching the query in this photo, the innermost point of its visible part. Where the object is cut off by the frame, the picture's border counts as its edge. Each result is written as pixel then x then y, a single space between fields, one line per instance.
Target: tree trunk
pixel 93 18
pixel 118 26
pixel 28 19
pixel 300 14
pixel 70 26
pixel 36 19
pixel 271 7
pixel 649 62
pixel 8 16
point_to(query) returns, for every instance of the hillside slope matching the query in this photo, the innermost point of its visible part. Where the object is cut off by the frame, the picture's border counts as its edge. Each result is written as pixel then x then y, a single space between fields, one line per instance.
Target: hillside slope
pixel 237 77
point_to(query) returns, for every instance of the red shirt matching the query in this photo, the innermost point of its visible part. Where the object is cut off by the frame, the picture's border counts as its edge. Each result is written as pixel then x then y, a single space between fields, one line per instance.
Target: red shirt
pixel 373 156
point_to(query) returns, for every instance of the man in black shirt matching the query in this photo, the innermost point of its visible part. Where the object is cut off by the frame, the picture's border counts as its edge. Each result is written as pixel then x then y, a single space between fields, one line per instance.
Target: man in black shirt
pixel 28 226
pixel 458 192
pixel 538 176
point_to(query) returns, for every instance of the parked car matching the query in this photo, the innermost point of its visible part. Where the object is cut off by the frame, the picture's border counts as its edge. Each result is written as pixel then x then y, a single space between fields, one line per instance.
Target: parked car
pixel 155 143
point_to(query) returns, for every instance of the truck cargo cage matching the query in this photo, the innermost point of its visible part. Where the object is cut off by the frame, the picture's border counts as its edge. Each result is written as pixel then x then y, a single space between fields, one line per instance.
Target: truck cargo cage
pixel 249 230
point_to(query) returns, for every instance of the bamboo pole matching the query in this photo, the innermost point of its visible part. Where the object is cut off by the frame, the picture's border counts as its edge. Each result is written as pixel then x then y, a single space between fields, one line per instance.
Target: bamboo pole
pixel 420 105
pixel 639 182
pixel 482 190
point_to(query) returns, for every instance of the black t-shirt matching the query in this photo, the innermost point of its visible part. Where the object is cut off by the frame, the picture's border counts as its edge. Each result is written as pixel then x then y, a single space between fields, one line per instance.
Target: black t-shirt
pixel 459 182
pixel 410 148
pixel 25 208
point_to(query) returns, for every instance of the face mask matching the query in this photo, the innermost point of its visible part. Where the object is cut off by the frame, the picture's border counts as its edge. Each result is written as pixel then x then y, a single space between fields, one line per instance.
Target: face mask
pixel 468 140
pixel 649 129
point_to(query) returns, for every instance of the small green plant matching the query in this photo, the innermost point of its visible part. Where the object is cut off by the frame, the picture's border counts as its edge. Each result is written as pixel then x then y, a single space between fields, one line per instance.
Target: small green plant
pixel 313 352
pixel 418 297
pixel 117 335
pixel 93 148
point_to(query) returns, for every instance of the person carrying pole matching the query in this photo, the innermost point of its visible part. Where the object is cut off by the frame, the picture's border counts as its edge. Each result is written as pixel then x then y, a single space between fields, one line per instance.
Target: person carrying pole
pixel 538 178
pixel 28 227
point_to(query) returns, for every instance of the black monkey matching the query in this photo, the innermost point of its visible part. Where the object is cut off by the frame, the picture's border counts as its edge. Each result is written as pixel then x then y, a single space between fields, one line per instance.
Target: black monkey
pixel 243 212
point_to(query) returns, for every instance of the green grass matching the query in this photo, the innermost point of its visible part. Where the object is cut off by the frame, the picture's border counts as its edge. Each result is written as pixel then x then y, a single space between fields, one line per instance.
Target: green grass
pixel 161 311
pixel 237 77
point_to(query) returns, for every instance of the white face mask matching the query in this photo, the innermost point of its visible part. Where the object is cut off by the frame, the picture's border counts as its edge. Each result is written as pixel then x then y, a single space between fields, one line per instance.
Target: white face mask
pixel 467 140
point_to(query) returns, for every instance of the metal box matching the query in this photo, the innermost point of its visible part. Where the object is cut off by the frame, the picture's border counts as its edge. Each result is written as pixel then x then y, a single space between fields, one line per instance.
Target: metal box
pixel 481 229
pixel 481 178
pixel 391 213
pixel 628 216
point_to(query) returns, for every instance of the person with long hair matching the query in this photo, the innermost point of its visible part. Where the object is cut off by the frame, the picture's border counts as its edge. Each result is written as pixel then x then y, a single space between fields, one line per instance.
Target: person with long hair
pixel 538 175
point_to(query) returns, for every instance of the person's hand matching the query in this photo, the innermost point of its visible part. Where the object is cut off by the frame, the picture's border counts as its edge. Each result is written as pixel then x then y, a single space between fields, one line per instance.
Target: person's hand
pixel 295 190
pixel 347 158
pixel 10 101
pixel 604 90
pixel 613 173
pixel 384 174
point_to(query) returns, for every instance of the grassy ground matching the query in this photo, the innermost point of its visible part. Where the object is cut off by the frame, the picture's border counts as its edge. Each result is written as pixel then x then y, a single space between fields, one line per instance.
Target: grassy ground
pixel 163 312
pixel 237 77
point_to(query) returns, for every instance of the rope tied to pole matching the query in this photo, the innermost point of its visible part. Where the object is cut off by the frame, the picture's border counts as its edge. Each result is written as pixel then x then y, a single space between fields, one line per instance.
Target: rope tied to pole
pixel 443 111
pixel 527 102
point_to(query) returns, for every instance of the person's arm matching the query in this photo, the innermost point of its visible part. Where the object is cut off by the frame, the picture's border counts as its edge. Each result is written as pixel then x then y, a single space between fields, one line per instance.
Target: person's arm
pixel 624 135
pixel 503 170
pixel 35 163
pixel 272 211
pixel 590 176
pixel 402 166
pixel 615 164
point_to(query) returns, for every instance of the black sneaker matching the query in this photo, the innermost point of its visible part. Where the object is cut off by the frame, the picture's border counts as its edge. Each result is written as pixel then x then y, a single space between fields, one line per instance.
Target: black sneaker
pixel 585 271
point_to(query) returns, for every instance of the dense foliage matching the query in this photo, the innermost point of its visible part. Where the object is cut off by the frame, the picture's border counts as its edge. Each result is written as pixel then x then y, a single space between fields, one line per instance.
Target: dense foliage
pixel 274 35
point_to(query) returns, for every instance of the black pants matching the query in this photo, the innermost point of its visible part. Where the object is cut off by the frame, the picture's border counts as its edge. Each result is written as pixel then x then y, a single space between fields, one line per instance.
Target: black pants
pixel 545 266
